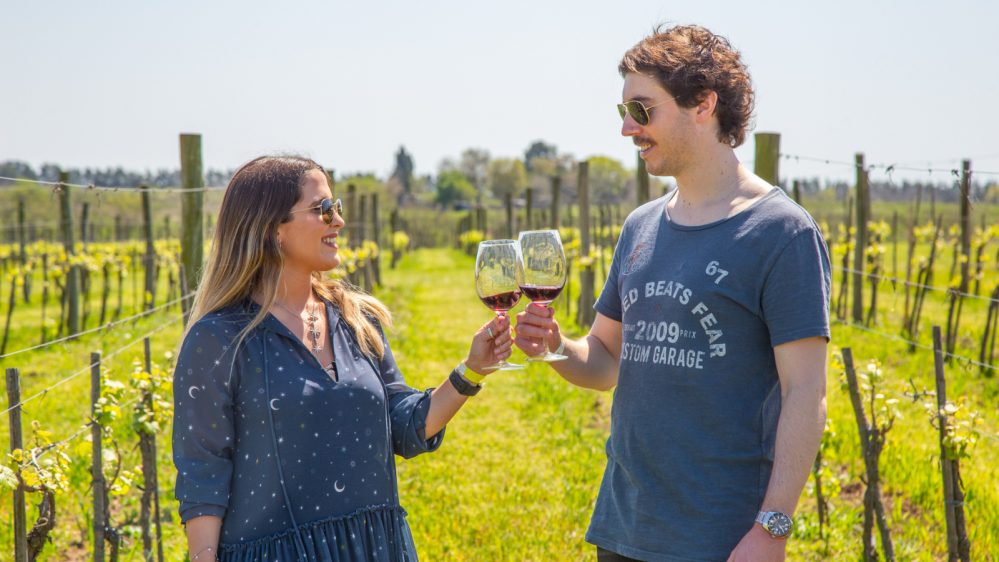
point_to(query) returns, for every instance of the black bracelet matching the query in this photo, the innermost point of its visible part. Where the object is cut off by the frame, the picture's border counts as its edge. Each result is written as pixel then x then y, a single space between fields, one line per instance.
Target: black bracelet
pixel 462 386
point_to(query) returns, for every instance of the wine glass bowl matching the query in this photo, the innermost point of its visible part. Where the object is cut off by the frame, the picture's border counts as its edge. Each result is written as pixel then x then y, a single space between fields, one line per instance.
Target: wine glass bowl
pixel 544 273
pixel 499 273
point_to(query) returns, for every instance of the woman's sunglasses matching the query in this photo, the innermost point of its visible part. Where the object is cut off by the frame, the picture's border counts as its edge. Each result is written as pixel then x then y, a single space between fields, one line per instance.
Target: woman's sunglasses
pixel 638 111
pixel 327 207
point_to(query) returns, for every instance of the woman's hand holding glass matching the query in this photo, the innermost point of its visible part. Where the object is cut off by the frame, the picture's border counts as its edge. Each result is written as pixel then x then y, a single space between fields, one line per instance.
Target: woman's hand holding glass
pixel 486 350
pixel 499 272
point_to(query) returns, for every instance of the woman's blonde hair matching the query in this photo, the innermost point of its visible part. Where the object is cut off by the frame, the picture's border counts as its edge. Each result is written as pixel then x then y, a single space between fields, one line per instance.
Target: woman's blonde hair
pixel 245 257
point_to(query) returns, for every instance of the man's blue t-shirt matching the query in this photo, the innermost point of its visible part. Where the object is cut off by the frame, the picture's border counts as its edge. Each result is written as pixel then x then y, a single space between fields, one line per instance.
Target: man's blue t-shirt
pixel 695 411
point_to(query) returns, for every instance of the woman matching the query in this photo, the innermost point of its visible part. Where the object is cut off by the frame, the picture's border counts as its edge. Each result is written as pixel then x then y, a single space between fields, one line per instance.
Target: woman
pixel 288 406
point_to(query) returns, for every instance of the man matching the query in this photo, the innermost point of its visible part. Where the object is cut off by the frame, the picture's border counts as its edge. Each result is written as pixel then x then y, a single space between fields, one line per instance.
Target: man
pixel 713 325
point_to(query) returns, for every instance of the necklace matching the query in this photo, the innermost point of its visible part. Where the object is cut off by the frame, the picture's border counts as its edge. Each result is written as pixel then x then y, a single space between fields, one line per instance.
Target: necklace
pixel 316 334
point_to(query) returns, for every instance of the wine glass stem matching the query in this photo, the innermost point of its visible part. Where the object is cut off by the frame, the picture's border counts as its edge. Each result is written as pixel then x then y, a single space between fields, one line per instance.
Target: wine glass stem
pixel 500 314
pixel 545 353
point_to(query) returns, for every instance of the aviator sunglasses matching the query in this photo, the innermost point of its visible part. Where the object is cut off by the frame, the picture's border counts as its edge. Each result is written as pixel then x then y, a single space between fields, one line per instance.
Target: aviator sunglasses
pixel 327 207
pixel 638 111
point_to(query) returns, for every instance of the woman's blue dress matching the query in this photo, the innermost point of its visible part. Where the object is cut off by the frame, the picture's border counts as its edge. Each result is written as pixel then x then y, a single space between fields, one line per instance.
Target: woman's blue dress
pixel 298 465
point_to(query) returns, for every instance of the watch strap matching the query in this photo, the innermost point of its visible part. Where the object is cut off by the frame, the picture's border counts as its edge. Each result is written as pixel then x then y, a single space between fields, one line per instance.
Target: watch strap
pixel 764 517
pixel 463 387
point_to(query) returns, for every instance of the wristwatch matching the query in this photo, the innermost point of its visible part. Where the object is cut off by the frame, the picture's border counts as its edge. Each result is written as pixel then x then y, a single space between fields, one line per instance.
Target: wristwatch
pixel 776 523
pixel 462 386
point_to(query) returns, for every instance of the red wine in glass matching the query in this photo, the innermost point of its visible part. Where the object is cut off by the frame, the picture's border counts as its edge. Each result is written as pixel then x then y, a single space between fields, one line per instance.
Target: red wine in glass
pixel 502 301
pixel 544 274
pixel 499 271
pixel 542 294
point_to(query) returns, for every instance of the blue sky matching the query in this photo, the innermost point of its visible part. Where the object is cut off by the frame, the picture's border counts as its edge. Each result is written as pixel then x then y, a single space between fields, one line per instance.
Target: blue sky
pixel 114 83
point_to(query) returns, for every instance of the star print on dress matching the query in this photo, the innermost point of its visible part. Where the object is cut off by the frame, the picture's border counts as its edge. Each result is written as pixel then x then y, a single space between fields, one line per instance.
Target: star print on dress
pixel 264 484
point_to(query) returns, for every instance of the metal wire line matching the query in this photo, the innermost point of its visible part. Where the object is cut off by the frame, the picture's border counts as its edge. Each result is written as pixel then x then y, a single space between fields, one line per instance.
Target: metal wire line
pixel 909 397
pixel 885 166
pixel 916 344
pixel 85 427
pixel 912 284
pixel 88 367
pixel 134 189
pixel 107 326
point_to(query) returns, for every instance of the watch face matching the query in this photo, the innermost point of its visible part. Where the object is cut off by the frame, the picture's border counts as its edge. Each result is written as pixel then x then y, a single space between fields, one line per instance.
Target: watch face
pixel 779 524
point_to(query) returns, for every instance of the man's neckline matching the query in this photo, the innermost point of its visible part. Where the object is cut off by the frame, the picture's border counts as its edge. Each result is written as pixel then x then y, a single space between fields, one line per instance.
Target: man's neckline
pixel 673 224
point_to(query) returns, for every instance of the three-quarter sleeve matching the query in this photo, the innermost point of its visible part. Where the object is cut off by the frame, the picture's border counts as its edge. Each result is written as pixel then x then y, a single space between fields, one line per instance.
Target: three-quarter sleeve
pixel 408 409
pixel 203 430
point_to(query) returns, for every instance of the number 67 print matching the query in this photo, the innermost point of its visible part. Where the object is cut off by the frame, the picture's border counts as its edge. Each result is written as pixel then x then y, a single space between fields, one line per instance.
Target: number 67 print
pixel 713 269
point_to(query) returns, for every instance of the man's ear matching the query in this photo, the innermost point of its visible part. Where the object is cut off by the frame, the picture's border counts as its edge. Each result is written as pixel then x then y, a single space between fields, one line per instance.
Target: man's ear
pixel 706 108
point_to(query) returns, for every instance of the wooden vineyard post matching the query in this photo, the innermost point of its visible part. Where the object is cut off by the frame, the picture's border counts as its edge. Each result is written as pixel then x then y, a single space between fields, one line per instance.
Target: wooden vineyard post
pixel 860 247
pixel 844 286
pixel 45 290
pixel 924 278
pixel 84 214
pixel 394 220
pixel 192 230
pixel 767 157
pixel 597 245
pixel 641 182
pixel 353 234
pixel 149 259
pixel 481 219
pixel 508 200
pixel 989 336
pixel 957 297
pixel 528 204
pixel 362 234
pixel 820 500
pixel 872 440
pixel 185 303
pixel 797 191
pixel 978 257
pixel 150 492
pixel 894 242
pixel 556 220
pixel 376 229
pixel 22 242
pixel 958 545
pixel 584 310
pixel 73 275
pixel 17 442
pixel 97 469
pixel 10 313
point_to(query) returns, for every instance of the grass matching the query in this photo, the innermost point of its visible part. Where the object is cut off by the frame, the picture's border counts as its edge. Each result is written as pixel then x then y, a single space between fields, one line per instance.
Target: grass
pixel 520 467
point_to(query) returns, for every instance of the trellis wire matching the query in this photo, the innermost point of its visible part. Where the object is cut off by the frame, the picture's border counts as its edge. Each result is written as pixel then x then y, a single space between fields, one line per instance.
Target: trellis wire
pixel 107 326
pixel 88 367
pixel 93 187
pixel 911 284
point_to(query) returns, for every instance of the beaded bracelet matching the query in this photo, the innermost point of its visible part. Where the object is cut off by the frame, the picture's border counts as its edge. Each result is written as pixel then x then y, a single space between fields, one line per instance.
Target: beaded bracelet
pixel 200 551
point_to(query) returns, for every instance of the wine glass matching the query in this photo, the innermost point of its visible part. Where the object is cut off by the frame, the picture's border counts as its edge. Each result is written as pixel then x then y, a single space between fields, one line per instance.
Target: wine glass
pixel 499 272
pixel 544 274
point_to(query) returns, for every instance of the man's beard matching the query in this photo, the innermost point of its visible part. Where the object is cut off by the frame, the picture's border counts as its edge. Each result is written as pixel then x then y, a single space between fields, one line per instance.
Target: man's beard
pixel 673 152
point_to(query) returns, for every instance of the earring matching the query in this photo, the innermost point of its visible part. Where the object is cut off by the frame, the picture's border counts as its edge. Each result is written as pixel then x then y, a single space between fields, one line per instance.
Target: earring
pixel 279 243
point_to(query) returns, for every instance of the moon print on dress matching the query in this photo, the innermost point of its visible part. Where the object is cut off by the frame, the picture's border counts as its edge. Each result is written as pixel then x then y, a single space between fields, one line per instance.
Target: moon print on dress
pixel 221 430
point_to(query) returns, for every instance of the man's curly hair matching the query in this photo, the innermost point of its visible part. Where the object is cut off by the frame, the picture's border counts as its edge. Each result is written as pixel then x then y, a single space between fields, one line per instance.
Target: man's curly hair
pixel 690 61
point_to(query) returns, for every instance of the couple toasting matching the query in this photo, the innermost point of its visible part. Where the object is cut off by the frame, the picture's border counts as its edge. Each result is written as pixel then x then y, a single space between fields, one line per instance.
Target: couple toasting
pixel 711 327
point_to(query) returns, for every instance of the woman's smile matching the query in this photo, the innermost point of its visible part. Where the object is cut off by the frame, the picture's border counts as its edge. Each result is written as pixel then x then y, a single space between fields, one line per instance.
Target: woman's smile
pixel 330 240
